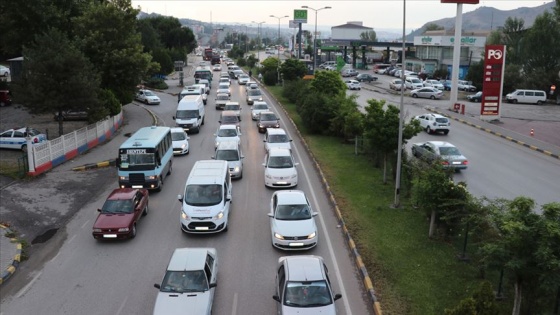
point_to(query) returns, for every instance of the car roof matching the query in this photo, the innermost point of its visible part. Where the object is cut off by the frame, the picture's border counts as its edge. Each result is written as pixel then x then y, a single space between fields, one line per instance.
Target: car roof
pixel 291 197
pixel 177 129
pixel 275 131
pixel 227 127
pixel 303 267
pixel 122 194
pixel 279 152
pixel 189 258
pixel 259 103
pixel 228 145
pixel 441 144
pixel 232 103
pixel 229 113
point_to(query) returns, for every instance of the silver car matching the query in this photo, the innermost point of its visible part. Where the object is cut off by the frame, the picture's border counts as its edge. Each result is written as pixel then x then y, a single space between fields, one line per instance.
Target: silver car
pixel 254 96
pixel 303 286
pixel 292 222
pixel 189 282
pixel 258 107
pixel 427 92
pixel 439 151
pixel 230 151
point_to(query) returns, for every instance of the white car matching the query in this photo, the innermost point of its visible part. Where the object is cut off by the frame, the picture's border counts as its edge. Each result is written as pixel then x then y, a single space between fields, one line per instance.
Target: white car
pixel 435 84
pixel 280 169
pixel 251 85
pixel 257 108
pixel 243 79
pixel 4 71
pixel 217 67
pixel 292 222
pixel 227 133
pixel 180 141
pixel 17 138
pixel 224 80
pixel 276 138
pixel 463 85
pixel 189 282
pixel 353 85
pixel 221 100
pixel 224 88
pixel 434 123
pixel 148 97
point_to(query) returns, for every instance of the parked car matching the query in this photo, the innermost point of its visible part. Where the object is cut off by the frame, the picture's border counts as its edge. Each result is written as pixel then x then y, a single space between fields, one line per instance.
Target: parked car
pixel 258 107
pixel 180 141
pixel 434 123
pixel 475 97
pixel 17 138
pixel 434 83
pixel 189 282
pixel 444 152
pixel 365 77
pixel 353 85
pixel 267 120
pixel 427 92
pixel 463 85
pixel 292 221
pixel 303 286
pixel 71 114
pixel 527 96
pixel 120 213
pixel 446 84
pixel 413 83
pixel 396 84
pixel 4 71
pixel 349 73
pixel 148 97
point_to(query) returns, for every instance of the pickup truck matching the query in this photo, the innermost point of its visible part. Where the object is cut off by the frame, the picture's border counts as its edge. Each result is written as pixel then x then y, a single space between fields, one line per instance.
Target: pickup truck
pixel 447 153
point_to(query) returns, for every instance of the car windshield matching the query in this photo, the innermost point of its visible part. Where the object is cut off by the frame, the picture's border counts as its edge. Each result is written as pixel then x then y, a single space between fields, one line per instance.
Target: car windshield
pixel 244 76
pixel 267 117
pixel 178 136
pixel 227 155
pixel 137 159
pixel 277 138
pixel 231 107
pixel 446 151
pixel 260 106
pixel 203 195
pixel 292 212
pixel 223 87
pixel 117 206
pixel 254 92
pixel 280 162
pixel 149 93
pixel 230 119
pixel 227 133
pixel 184 281
pixel 415 81
pixel 307 294
pixel 222 97
pixel 397 82
pixel 182 114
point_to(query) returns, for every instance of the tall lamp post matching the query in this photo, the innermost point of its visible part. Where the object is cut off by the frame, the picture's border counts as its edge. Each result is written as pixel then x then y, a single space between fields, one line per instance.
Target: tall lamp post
pixel 278 47
pixel 259 34
pixel 315 34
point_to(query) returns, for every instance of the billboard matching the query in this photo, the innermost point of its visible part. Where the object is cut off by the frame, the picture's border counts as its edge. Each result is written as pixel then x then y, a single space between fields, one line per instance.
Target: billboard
pixel 493 77
pixel 300 16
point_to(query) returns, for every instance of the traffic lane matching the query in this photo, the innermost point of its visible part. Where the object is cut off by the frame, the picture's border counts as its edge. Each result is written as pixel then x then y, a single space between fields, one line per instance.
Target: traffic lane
pixel 332 243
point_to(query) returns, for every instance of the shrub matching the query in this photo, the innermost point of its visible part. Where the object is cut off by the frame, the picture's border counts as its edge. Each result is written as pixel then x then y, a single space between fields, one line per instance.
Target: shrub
pixel 270 77
pixel 293 90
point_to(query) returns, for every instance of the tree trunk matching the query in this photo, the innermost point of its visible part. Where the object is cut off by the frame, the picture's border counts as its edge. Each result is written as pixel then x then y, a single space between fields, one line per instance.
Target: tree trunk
pixel 432 223
pixel 517 300
pixel 385 168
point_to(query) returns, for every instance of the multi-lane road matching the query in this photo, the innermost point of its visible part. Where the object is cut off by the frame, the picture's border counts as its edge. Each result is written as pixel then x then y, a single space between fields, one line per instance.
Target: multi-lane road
pixel 84 276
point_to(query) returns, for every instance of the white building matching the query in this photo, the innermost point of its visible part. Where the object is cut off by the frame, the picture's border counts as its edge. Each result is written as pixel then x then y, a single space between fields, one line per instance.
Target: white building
pixel 349 31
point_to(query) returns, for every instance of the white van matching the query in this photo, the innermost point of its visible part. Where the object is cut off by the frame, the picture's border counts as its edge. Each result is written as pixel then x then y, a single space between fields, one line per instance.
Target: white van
pixel 190 113
pixel 207 197
pixel 197 89
pixel 527 96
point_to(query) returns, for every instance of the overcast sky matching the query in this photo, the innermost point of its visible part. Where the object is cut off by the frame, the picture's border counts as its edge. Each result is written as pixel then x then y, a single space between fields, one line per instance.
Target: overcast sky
pixel 379 14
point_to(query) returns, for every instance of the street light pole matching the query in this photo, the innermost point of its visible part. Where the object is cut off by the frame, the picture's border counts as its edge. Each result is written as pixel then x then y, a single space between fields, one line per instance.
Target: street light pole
pixel 278 46
pixel 259 34
pixel 315 34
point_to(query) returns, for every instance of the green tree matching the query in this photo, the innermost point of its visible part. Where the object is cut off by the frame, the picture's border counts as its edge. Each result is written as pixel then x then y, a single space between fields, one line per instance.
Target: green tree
pixel 292 69
pixel 252 61
pixel 369 36
pixel 433 27
pixel 348 120
pixel 316 110
pixel 482 302
pixel 57 77
pixel 475 74
pixel 328 83
pixel 513 31
pixel 109 38
pixel 382 129
pixel 269 70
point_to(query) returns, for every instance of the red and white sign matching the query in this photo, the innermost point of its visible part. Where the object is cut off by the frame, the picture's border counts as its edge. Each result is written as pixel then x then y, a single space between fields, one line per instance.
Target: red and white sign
pixel 493 77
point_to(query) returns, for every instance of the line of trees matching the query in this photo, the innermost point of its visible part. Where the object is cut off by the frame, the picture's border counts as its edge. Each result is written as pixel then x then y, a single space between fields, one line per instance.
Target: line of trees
pixel 86 55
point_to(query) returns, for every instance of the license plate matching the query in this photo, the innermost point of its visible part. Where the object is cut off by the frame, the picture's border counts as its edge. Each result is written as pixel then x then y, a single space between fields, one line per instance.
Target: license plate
pixel 282 183
pixel 137 186
pixel 201 228
pixel 296 244
pixel 110 236
pixel 456 163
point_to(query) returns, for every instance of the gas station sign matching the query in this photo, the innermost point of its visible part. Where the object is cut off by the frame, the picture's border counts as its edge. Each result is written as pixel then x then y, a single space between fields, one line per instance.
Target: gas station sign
pixel 494 64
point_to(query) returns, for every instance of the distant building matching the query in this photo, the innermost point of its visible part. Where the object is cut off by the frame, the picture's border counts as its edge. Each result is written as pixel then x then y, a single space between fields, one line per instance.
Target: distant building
pixel 349 31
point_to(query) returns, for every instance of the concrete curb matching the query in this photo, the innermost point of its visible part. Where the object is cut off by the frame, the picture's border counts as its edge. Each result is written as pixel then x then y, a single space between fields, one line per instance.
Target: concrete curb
pixel 357 257
pixel 532 147
pixel 91 166
pixel 6 274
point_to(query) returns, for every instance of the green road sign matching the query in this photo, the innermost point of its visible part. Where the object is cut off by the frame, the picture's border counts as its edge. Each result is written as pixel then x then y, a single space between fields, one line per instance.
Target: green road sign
pixel 300 16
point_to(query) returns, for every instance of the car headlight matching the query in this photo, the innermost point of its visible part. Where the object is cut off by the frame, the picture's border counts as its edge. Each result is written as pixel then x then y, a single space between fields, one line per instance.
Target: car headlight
pixel 183 146
pixel 277 126
pixel 123 178
pixel 236 169
pixel 97 230
pixel 278 236
pixel 219 215
pixel 184 216
pixel 294 175
pixel 152 177
pixel 260 98
pixel 217 143
pixel 123 229
pixel 312 235
pixel 268 176
pixel 261 126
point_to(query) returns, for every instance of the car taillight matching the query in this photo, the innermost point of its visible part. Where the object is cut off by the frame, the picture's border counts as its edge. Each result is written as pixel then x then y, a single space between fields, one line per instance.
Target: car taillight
pixel 465 162
pixel 444 163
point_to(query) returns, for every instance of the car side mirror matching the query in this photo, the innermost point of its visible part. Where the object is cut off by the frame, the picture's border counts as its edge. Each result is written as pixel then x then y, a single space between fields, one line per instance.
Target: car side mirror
pixel 337 296
pixel 291 140
pixel 264 140
pixel 264 164
pixel 243 156
pixel 180 198
pixel 315 214
pixel 173 117
pixel 213 285
pixel 276 298
pixel 271 215
pixel 213 157
pixel 156 285
pixel 296 164
pixel 98 210
pixel 220 121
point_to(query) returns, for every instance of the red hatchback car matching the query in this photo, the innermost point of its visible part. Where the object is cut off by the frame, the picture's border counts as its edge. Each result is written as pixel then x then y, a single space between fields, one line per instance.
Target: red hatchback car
pixel 121 211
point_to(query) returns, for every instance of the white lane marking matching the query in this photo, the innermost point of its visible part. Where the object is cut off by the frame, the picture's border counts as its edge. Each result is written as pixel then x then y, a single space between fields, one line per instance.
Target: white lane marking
pixel 83 225
pixel 234 306
pixel 28 286
pixel 55 257
pixel 72 238
pixel 122 305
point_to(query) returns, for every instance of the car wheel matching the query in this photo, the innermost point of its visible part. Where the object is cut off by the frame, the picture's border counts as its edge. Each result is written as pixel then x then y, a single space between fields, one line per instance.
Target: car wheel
pixel 414 95
pixel 145 212
pixel 133 232
pixel 428 129
pixel 160 184
pixel 433 97
pixel 539 103
pixel 146 101
pixel 2 104
pixel 514 101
